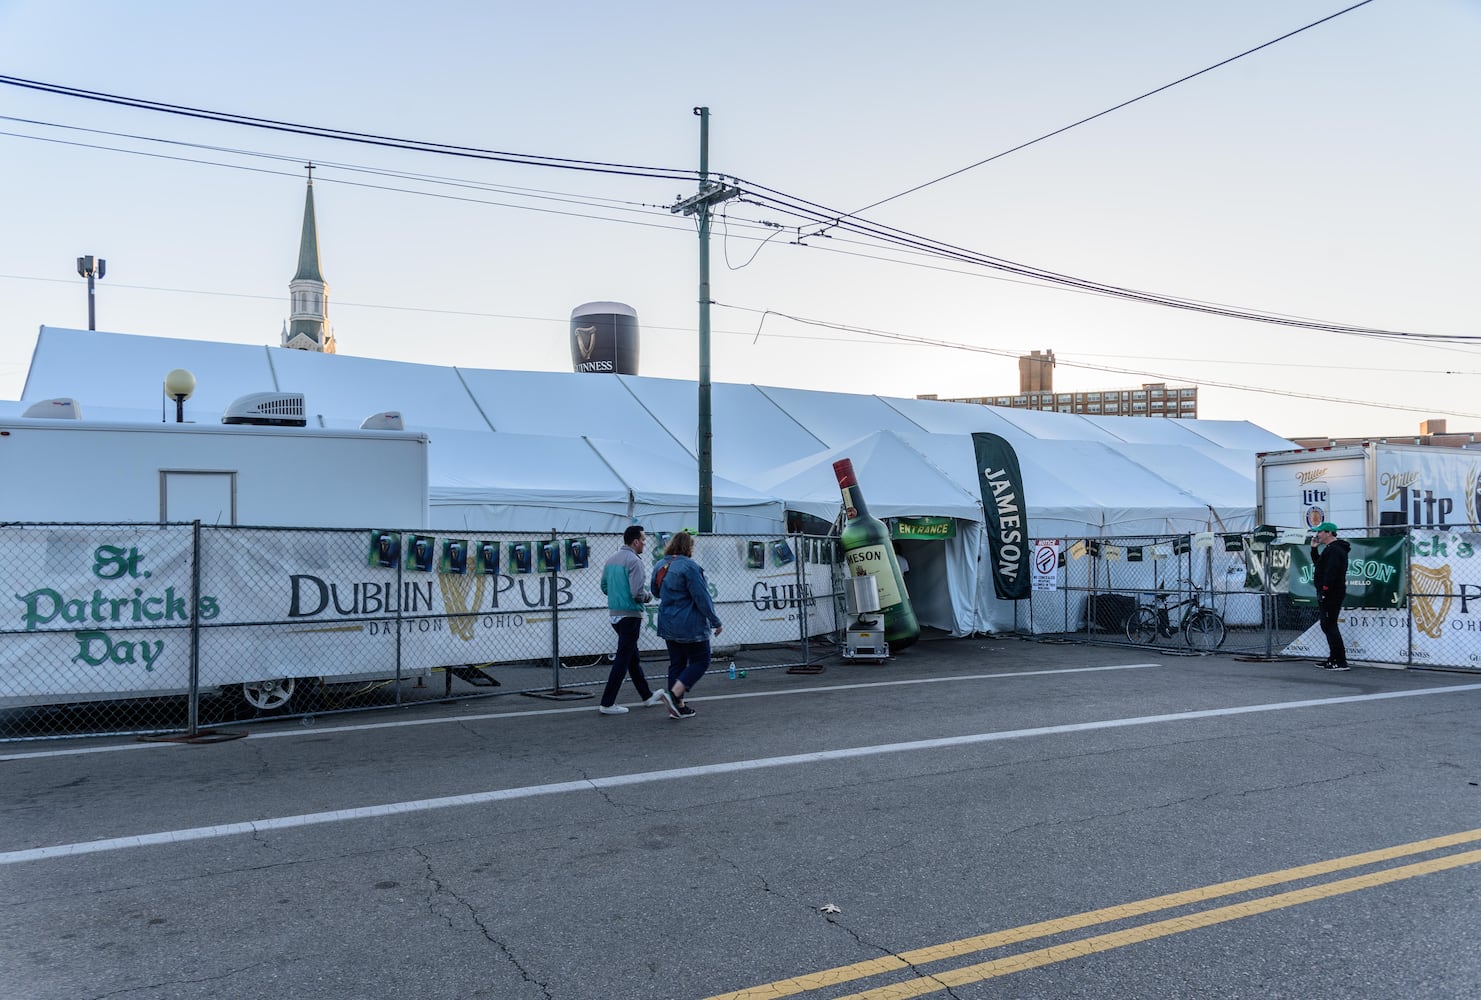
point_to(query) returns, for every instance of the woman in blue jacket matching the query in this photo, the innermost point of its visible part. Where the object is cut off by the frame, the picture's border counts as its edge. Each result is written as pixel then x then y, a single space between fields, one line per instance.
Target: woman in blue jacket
pixel 686 614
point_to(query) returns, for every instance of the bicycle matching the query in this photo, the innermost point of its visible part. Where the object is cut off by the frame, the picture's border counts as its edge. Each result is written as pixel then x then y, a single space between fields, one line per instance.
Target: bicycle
pixel 1202 626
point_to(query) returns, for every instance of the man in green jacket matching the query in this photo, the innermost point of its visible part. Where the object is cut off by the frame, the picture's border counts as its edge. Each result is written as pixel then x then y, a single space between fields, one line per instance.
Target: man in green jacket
pixel 626 585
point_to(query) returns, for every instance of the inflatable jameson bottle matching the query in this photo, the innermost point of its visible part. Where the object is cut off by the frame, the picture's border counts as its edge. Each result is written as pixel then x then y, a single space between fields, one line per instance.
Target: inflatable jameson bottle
pixel 868 552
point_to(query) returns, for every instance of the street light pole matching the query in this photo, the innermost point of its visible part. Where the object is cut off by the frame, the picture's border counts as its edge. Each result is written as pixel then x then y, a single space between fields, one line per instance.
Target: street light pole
pixel 700 204
pixel 90 267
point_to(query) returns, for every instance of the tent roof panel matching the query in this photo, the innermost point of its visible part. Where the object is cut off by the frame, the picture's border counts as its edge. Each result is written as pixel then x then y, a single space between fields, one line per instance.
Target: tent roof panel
pixel 945 417
pixel 751 433
pixel 837 417
pixel 1240 434
pixel 119 371
pixel 1148 430
pixel 894 476
pixel 485 460
pixel 345 390
pixel 568 404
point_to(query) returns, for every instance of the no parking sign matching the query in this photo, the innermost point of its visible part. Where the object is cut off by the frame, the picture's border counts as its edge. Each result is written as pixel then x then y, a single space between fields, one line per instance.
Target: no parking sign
pixel 1046 565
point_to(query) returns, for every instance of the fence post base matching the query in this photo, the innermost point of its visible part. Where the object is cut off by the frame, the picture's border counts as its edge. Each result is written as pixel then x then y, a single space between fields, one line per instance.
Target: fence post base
pixel 199 736
pixel 558 694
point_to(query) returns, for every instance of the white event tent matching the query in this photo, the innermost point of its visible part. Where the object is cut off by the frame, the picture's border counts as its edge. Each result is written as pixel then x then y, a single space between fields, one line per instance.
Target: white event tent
pixel 541 451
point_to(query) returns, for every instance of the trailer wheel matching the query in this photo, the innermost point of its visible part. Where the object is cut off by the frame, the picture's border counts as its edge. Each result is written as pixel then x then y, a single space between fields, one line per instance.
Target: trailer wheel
pixel 277 694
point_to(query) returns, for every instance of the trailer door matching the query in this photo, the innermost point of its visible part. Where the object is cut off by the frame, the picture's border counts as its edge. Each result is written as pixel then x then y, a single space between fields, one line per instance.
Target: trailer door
pixel 189 495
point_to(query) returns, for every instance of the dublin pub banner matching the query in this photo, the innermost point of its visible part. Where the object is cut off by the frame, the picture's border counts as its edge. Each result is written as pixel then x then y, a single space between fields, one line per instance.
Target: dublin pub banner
pixel 92 611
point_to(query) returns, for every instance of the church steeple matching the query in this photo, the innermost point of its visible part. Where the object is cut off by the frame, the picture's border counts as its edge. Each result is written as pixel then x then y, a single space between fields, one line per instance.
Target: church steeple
pixel 308 324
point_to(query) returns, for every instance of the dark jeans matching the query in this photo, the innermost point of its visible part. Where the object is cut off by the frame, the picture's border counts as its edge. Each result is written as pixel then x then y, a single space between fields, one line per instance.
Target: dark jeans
pixel 1331 612
pixel 688 662
pixel 625 661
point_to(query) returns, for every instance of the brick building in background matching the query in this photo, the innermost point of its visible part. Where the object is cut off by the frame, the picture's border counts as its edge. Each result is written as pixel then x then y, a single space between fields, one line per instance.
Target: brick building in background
pixel 1036 392
pixel 1432 432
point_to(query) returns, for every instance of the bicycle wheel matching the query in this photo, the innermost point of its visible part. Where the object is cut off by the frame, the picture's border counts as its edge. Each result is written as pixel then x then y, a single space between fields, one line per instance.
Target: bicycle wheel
pixel 1141 626
pixel 1204 631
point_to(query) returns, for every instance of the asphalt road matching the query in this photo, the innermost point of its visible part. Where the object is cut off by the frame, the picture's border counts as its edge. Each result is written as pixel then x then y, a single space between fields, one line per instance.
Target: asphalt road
pixel 977 818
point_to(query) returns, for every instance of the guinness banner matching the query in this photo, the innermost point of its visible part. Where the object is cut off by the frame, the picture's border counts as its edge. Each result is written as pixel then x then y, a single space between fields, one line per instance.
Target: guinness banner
pixel 1001 483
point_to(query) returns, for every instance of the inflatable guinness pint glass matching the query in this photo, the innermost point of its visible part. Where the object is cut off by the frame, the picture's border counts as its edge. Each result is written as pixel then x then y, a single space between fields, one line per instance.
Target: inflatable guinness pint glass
pixel 604 338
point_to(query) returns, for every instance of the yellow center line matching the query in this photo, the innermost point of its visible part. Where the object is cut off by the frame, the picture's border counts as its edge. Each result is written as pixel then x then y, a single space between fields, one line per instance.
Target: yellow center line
pixel 1162 928
pixel 1046 928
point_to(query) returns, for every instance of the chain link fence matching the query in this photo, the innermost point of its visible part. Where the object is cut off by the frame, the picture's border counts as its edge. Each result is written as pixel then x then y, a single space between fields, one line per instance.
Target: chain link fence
pixel 1413 595
pixel 150 629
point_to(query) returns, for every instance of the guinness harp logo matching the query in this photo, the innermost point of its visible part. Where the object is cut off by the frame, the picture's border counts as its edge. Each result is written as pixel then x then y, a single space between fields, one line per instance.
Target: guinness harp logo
pixel 586 340
pixel 1430 597
pixel 457 589
pixel 1473 499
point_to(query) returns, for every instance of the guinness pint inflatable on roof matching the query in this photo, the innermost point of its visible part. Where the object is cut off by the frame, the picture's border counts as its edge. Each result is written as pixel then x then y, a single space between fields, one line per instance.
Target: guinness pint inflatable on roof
pixel 604 338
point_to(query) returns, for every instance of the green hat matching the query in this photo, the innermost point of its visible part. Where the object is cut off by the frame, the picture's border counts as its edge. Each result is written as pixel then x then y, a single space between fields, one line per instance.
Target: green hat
pixel 1325 526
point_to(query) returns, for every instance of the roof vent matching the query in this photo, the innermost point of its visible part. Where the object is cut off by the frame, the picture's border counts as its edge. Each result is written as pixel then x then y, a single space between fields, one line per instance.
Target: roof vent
pixel 390 420
pixel 62 408
pixel 274 409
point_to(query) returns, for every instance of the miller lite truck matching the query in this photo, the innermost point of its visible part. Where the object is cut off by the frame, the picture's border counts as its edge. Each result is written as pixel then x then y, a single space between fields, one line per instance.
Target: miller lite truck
pixel 1370 484
pixel 1432 495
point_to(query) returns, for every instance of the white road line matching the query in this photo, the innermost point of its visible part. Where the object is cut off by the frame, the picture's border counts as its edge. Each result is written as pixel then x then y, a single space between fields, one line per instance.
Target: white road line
pixel 648 777
pixel 303 731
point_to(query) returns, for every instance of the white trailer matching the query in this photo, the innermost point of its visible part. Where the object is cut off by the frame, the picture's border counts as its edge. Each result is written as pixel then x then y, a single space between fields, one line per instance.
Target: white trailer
pixel 74 470
pixel 1370 484
pixel 96 608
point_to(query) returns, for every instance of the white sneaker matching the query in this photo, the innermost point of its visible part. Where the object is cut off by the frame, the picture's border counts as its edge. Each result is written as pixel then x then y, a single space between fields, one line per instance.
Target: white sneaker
pixel 656 698
pixel 612 709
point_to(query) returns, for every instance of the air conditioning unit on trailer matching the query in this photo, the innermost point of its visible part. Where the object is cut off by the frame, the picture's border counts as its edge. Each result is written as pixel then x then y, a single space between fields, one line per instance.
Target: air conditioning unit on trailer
pixel 273 409
pixel 61 408
pixel 390 420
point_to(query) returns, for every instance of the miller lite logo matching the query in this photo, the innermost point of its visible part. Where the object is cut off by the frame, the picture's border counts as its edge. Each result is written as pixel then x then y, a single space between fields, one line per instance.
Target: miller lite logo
pixel 1314 499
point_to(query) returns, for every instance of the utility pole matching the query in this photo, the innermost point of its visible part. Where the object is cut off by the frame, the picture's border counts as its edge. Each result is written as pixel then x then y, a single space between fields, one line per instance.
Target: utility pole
pixel 700 204
pixel 91 268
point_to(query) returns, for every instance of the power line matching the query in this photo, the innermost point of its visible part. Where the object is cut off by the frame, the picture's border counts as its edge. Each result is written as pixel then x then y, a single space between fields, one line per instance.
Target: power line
pixel 1102 114
pixel 346 135
pixel 772 198
pixel 922 247
pixel 900 237
pixel 319 161
pixel 656 212
pixel 1159 376
pixel 867 334
pixel 1324 366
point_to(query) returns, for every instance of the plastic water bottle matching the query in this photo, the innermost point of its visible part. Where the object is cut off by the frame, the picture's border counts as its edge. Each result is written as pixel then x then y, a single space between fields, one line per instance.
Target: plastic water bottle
pixel 732 670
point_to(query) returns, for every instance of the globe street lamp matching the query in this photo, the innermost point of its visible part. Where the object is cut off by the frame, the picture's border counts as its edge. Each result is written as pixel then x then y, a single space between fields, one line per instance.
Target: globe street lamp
pixel 179 384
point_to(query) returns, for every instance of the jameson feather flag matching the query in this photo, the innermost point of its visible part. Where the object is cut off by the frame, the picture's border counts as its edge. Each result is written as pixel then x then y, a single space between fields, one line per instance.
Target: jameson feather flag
pixel 1007 519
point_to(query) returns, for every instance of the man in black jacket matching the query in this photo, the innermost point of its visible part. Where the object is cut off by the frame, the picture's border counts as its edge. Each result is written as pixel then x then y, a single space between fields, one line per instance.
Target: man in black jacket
pixel 1329 553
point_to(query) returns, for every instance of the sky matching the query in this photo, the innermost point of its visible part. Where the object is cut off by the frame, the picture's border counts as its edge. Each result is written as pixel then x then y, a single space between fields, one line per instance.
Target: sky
pixel 1331 176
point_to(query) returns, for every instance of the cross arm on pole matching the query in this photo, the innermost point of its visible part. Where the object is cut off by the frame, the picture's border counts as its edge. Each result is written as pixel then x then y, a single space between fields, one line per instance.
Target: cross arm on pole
pixel 708 195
